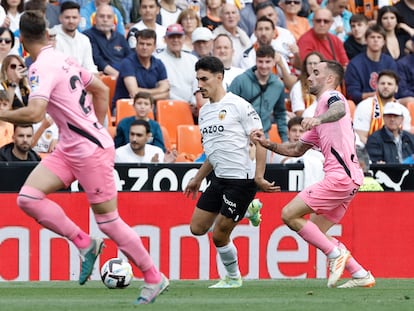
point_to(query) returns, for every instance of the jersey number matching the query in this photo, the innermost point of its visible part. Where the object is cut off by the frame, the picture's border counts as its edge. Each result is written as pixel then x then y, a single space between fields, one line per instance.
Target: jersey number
pixel 85 109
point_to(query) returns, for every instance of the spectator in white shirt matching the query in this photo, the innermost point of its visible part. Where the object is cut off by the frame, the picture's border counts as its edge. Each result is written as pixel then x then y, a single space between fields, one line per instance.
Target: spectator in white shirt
pixel 69 40
pixel 138 150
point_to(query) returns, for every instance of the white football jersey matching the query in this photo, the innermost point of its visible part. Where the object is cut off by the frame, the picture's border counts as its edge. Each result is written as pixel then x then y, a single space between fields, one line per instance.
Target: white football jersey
pixel 225 127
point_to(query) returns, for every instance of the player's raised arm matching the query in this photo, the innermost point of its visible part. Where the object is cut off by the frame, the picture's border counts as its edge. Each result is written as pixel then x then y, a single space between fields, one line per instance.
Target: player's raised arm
pixel 295 149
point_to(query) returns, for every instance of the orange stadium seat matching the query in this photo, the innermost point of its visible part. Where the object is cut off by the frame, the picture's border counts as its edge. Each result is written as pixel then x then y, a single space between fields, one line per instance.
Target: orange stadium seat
pixel 171 113
pixel 274 134
pixel 124 109
pixel 189 139
pixel 111 83
pixel 166 137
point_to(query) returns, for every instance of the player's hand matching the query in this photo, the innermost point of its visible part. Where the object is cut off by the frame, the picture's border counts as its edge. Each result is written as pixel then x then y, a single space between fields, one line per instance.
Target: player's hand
pixel 257 136
pixel 310 123
pixel 155 158
pixel 170 156
pixel 266 186
pixel 192 188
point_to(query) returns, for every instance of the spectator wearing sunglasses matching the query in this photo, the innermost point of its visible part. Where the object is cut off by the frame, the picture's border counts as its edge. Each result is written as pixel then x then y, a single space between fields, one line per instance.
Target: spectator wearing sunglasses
pixel 6 42
pixel 321 40
pixel 341 18
pixel 13 79
pixel 296 24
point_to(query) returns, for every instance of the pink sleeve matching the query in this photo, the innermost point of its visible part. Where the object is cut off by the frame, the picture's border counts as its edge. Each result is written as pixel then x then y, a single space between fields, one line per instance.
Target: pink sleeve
pixel 86 76
pixel 310 138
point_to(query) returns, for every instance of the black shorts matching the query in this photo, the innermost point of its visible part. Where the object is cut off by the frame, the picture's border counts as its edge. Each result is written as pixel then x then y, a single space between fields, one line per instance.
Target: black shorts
pixel 229 197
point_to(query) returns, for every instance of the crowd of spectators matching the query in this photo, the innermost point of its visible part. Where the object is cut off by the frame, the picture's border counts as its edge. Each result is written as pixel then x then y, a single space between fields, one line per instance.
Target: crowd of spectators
pixel 148 49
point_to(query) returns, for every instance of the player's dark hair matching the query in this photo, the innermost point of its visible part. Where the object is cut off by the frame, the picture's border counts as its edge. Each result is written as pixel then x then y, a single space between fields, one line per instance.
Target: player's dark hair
pixel 33 26
pixel 265 51
pixel 336 68
pixel 146 34
pixel 264 19
pixel 144 95
pixel 389 73
pixel 144 123
pixel 211 64
pixel 69 5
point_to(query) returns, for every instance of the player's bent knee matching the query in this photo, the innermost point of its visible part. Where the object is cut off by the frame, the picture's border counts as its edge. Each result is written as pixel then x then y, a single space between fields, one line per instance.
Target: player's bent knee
pixel 197 230
pixel 28 205
pixel 285 216
pixel 29 199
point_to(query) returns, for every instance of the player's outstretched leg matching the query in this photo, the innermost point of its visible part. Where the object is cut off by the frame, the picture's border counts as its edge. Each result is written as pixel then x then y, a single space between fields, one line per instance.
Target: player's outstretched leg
pixel 253 212
pixel 131 245
pixel 337 257
pixel 89 256
pixel 50 215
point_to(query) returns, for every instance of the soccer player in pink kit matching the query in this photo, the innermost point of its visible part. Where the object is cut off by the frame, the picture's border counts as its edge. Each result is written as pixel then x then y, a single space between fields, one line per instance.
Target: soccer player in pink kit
pixel 85 152
pixel 326 201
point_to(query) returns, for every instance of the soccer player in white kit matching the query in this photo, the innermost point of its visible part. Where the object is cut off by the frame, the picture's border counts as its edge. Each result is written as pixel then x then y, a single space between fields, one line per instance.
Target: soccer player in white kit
pixel 85 152
pixel 225 123
pixel 326 201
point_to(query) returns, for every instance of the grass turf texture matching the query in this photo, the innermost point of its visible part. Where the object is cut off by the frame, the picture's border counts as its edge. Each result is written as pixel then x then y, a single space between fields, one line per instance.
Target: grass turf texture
pixel 297 295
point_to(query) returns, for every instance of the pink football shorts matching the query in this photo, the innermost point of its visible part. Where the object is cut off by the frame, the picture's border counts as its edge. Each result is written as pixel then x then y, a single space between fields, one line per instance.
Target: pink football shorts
pixel 330 197
pixel 94 173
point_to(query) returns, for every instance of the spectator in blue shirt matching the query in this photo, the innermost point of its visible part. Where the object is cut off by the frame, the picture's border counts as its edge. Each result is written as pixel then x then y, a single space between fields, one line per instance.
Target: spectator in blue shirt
pixel 362 72
pixel 109 47
pixel 143 104
pixel 141 71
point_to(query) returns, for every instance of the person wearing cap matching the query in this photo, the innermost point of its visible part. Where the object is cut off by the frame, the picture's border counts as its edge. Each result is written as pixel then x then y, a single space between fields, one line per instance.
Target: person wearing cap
pixel 391 144
pixel 230 17
pixel 202 39
pixel 109 47
pixel 179 65
pixel 368 116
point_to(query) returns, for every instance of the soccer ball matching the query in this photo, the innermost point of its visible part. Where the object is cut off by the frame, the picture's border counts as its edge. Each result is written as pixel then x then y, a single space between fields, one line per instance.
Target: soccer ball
pixel 116 273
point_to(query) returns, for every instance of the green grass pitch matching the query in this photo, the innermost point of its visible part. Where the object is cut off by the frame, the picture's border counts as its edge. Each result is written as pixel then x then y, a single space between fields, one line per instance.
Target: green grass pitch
pixel 295 295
